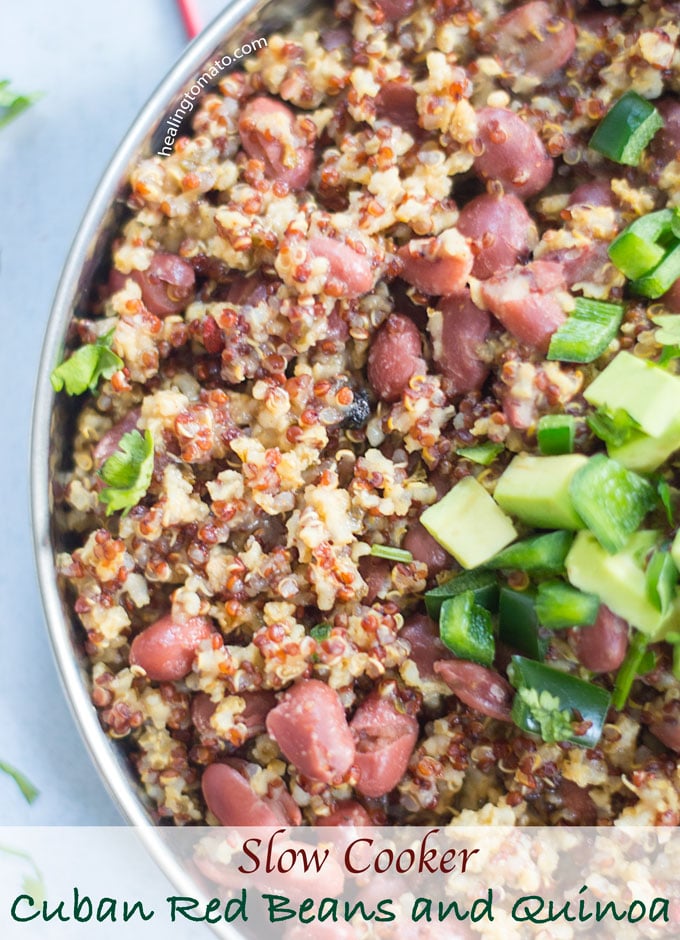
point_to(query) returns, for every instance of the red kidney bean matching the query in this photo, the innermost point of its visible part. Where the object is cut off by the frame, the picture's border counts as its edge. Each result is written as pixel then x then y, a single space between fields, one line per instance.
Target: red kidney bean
pixel 582 263
pixel 230 797
pixel 595 192
pixel 336 38
pixel 533 39
pixel 257 707
pixel 438 265
pixel 394 357
pixel 501 232
pixel 247 290
pixel 270 133
pixel 578 806
pixel 396 102
pixel 167 285
pixel 668 732
pixel 603 646
pixel 665 145
pixel 426 549
pixel 377 573
pixel 310 727
pixel 464 328
pixel 478 687
pixel 350 270
pixel 395 9
pixel 166 649
pixel 346 813
pixel 671 298
pixel 525 300
pixel 385 739
pixel 109 442
pixel 422 634
pixel 513 153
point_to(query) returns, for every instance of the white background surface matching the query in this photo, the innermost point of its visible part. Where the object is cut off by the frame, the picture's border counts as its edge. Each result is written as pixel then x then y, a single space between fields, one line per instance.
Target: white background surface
pixel 97 63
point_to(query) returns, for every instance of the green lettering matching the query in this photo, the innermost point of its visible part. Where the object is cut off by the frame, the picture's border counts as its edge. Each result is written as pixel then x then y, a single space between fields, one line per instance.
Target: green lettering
pixel 129 911
pixel 662 913
pixel 528 913
pixel 277 904
pixel 422 909
pixel 17 901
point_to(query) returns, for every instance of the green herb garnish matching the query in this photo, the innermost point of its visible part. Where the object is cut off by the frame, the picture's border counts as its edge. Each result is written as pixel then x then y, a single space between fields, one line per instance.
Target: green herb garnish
pixel 83 370
pixel 29 792
pixel 12 104
pixel 127 472
pixel 321 632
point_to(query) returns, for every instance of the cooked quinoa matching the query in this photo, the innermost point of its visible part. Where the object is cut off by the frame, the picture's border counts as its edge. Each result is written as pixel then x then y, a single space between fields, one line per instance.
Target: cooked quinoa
pixel 341 278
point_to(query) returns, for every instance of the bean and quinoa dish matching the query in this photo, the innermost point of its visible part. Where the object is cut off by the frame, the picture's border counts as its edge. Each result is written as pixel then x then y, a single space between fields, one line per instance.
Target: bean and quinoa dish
pixel 373 478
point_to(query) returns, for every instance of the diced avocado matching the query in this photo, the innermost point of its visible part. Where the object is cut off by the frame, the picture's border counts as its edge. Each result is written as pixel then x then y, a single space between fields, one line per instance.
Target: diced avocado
pixel 675 550
pixel 469 524
pixel 619 581
pixel 643 453
pixel 536 490
pixel 649 394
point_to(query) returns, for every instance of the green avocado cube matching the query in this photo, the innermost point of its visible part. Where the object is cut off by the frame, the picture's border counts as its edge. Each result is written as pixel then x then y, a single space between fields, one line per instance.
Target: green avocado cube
pixel 643 453
pixel 469 524
pixel 536 490
pixel 619 581
pixel 649 394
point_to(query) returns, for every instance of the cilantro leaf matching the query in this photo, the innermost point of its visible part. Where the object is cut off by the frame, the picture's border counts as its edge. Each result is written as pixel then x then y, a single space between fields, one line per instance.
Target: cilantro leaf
pixel 483 454
pixel 615 428
pixel 321 632
pixel 83 370
pixel 29 792
pixel 544 708
pixel 12 104
pixel 127 472
pixel 668 333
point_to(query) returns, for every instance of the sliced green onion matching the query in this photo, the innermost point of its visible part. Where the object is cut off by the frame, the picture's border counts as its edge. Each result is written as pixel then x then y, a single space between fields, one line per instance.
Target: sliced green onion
pixel 666 499
pixel 465 628
pixel 590 701
pixel 661 278
pixel 556 433
pixel 559 605
pixel 628 670
pixel 541 553
pixel 626 129
pixel 518 624
pixel 585 335
pixel 483 454
pixel 661 577
pixel 611 500
pixel 641 245
pixel 391 553
pixel 483 585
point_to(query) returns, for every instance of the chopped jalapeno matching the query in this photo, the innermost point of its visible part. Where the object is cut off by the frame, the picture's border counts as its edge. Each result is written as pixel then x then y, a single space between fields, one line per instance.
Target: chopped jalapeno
pixel 465 628
pixel 541 553
pixel 661 278
pixel 585 335
pixel 590 701
pixel 556 433
pixel 559 605
pixel 518 623
pixel 483 454
pixel 483 584
pixel 626 129
pixel 641 245
pixel 662 577
pixel 611 500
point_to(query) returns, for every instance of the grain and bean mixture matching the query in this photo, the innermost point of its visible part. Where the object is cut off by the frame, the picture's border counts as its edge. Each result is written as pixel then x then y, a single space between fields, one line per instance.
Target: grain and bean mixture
pixel 329 306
